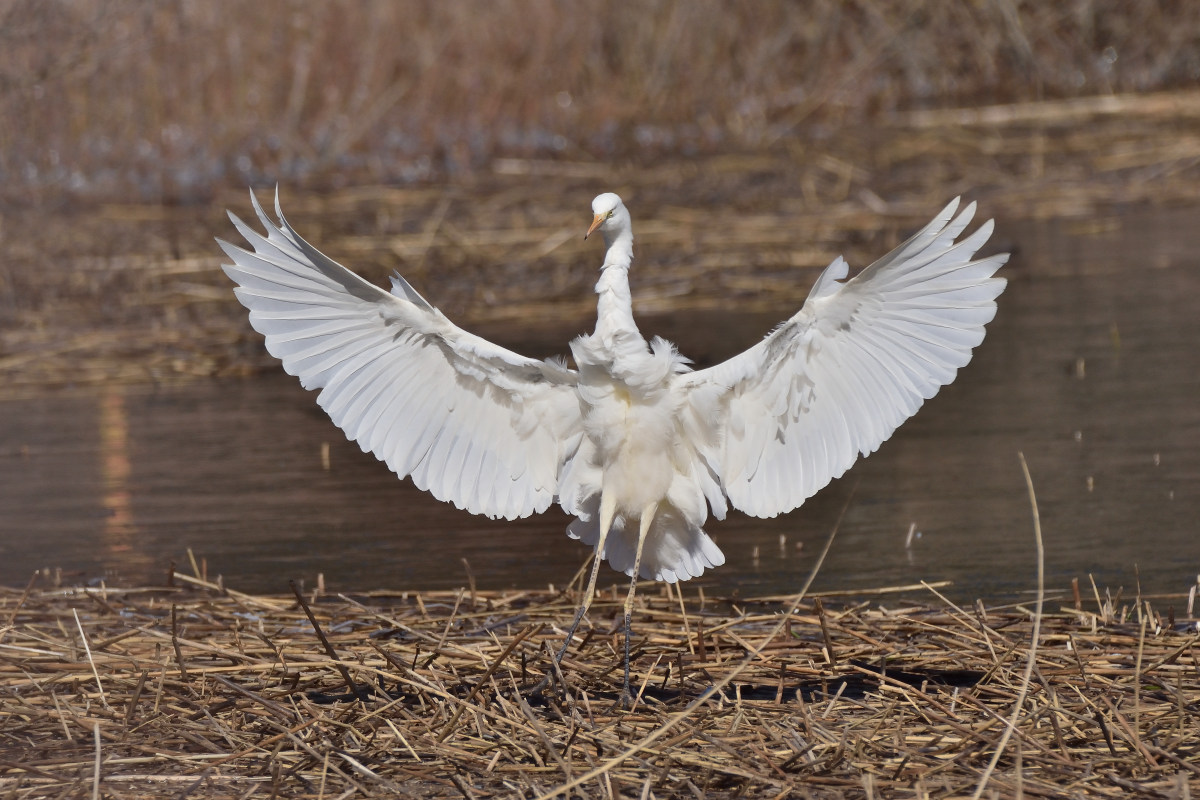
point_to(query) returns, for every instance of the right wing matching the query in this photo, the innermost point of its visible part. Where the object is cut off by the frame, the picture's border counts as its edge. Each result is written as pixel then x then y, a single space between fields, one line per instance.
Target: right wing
pixel 473 423
pixel 778 422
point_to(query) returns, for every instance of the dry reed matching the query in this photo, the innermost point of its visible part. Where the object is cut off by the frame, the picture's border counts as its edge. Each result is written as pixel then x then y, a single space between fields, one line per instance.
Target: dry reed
pixel 133 293
pixel 444 141
pixel 169 101
pixel 198 690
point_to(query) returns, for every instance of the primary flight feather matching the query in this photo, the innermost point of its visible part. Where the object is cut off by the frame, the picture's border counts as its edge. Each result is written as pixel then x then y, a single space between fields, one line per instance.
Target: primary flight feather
pixel 632 442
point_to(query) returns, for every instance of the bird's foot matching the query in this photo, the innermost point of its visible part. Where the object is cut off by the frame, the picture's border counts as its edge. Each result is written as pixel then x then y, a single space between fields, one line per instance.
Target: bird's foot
pixel 624 702
pixel 626 699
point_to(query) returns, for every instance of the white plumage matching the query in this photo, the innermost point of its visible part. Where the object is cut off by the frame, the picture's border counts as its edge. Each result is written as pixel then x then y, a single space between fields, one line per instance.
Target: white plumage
pixel 631 442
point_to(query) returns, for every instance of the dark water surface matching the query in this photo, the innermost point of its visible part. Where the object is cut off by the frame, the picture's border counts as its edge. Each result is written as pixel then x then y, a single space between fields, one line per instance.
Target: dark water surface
pixel 1090 369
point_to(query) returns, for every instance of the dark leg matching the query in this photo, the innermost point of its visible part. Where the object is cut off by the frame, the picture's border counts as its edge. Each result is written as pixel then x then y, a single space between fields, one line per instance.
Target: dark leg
pixel 643 529
pixel 607 511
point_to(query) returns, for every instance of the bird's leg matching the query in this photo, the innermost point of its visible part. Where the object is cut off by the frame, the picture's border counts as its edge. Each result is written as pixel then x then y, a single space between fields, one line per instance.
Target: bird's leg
pixel 608 509
pixel 643 530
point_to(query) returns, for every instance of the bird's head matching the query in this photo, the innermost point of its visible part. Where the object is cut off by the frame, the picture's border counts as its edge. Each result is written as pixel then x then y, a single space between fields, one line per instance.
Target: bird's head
pixel 610 218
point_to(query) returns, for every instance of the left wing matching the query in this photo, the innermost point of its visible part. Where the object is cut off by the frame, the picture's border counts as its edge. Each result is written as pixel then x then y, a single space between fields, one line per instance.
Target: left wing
pixel 471 422
pixel 790 414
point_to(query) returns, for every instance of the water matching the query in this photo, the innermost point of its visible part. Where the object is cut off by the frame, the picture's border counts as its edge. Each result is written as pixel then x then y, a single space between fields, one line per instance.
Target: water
pixel 1089 369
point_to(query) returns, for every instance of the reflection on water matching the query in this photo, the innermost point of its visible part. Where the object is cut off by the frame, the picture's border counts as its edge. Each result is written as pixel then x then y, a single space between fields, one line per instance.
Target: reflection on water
pixel 118 541
pixel 1088 370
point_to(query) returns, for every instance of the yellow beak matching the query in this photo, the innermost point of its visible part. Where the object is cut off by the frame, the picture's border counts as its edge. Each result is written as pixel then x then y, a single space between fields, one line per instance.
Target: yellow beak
pixel 596 223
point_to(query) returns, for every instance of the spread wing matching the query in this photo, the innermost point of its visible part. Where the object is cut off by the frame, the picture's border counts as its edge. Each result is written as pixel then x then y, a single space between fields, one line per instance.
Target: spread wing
pixel 471 422
pixel 790 414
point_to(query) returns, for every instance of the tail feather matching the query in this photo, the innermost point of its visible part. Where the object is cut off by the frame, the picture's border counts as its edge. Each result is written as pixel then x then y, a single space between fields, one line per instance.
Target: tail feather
pixel 674 551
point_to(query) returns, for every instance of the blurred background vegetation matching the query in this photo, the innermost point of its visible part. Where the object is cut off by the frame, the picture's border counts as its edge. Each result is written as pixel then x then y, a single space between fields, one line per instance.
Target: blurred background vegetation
pixel 173 100
pixel 461 143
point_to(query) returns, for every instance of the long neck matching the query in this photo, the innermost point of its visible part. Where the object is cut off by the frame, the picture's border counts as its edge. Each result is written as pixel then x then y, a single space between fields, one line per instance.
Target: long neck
pixel 614 308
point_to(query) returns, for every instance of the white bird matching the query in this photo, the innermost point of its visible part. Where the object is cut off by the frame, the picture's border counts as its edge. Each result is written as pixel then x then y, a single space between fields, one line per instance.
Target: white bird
pixel 631 442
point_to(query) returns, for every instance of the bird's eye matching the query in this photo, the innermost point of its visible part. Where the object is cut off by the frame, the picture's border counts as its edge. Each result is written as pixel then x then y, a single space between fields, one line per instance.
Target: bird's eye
pixel 610 215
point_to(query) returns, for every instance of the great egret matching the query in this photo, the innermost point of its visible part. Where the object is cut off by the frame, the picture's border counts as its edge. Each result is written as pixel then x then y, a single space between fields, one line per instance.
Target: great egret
pixel 631 442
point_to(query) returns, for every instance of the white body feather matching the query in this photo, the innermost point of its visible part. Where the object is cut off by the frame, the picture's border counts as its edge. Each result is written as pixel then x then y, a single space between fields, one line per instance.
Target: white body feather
pixel 503 435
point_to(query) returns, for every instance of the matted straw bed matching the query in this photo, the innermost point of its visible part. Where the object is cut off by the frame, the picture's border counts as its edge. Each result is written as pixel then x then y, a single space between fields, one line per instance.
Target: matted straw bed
pixel 194 690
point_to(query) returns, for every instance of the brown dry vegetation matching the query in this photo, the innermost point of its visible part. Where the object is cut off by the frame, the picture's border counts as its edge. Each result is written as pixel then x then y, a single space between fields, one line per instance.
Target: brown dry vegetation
pixel 173 100
pixel 461 142
pixel 206 692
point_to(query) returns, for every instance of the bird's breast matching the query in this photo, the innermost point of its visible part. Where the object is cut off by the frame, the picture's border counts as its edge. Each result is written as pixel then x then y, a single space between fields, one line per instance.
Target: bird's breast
pixel 632 435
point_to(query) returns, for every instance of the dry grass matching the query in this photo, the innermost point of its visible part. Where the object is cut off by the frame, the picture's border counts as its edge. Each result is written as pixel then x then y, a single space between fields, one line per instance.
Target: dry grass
pixel 754 143
pixel 170 101
pixel 133 292
pixel 197 690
